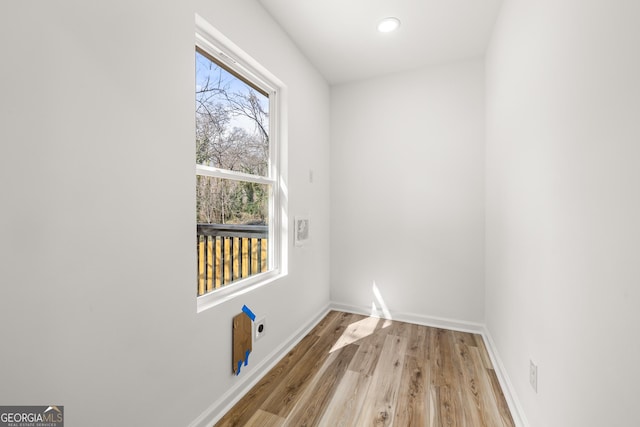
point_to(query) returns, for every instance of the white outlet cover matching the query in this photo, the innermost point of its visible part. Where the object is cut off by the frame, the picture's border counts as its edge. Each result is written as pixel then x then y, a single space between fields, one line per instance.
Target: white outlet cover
pixel 256 332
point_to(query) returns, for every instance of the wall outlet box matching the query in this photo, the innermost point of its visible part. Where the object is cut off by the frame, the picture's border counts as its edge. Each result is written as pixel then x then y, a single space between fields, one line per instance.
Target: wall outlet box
pixel 260 328
pixel 533 375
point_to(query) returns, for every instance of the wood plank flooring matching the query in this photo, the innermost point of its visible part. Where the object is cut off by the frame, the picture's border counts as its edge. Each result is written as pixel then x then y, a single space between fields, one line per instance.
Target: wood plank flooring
pixel 353 370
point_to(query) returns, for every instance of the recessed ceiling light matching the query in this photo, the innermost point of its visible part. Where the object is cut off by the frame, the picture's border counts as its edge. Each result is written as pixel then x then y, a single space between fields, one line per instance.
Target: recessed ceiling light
pixel 388 24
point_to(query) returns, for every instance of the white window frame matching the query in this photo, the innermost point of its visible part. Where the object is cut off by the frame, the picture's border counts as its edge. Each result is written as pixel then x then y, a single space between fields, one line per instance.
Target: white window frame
pixel 223 50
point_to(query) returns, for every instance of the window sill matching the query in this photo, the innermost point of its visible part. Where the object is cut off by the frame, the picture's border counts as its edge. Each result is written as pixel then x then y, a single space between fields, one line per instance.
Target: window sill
pixel 237 289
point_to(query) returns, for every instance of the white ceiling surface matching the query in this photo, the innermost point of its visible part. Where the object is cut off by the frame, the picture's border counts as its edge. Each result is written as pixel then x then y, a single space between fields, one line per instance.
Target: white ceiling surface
pixel 340 37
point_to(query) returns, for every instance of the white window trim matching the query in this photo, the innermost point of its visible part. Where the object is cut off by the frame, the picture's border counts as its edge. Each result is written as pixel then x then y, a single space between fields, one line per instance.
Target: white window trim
pixel 215 43
pixel 237 176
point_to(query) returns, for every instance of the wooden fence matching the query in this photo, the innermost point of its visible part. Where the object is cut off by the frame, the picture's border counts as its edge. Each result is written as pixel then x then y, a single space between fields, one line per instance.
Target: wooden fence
pixel 229 252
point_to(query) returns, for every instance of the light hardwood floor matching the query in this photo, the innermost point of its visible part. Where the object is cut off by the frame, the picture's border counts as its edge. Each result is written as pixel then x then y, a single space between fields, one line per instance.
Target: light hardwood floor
pixel 352 370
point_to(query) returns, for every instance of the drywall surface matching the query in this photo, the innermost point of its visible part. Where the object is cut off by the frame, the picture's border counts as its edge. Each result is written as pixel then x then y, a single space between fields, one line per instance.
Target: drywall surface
pixel 97 295
pixel 562 207
pixel 407 192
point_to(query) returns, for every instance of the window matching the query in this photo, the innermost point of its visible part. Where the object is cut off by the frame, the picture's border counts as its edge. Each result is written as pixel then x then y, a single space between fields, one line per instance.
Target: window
pixel 238 200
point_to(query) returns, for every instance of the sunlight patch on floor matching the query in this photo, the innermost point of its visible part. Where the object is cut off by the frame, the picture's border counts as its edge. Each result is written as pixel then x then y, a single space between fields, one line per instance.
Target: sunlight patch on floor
pixel 380 318
pixel 356 331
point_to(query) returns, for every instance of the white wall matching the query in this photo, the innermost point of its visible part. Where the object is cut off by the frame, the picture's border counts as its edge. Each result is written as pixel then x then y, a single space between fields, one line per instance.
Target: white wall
pixel 563 204
pixel 97 304
pixel 407 192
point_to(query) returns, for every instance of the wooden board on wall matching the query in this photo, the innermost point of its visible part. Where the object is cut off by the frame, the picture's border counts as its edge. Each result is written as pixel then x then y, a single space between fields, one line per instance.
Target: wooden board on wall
pixel 241 341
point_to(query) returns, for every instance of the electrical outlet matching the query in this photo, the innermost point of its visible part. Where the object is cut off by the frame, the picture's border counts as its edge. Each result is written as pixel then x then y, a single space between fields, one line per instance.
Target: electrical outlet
pixel 260 328
pixel 533 375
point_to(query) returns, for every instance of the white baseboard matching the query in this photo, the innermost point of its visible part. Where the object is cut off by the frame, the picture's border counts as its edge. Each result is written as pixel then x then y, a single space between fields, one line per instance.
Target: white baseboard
pixel 418 319
pixel 456 325
pixel 220 407
pixel 505 383
pixel 213 414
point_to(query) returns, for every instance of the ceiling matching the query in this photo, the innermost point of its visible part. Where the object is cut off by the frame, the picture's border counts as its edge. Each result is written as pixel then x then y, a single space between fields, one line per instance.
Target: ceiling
pixel 340 37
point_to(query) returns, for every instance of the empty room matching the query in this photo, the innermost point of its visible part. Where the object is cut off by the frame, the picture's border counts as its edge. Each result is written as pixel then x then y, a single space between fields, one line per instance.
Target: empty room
pixel 407 213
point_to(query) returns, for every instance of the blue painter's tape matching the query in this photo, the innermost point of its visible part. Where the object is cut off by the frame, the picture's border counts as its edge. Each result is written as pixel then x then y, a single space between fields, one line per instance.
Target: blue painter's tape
pixel 246 357
pixel 239 365
pixel 249 313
